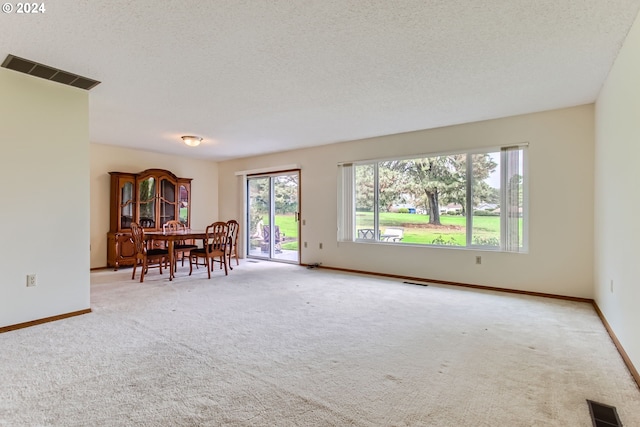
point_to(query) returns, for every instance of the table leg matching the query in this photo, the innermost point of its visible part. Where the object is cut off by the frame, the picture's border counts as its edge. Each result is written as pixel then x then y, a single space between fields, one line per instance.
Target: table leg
pixel 171 261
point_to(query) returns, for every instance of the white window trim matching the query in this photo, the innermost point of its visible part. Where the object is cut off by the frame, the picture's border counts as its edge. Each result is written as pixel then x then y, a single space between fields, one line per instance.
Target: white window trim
pixel 346 203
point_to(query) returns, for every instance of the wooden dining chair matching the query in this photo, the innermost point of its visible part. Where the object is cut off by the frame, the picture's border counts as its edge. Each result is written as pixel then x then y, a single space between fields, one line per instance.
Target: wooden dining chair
pixel 214 248
pixel 146 257
pixel 266 239
pixel 234 229
pixel 181 247
pixel 147 222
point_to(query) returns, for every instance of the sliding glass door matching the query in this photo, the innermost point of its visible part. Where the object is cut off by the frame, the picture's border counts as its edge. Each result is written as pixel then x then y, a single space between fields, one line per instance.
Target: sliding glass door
pixel 273 216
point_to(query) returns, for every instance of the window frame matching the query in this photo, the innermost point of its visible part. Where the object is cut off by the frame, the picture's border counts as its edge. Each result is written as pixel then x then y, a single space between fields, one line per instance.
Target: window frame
pixel 347 205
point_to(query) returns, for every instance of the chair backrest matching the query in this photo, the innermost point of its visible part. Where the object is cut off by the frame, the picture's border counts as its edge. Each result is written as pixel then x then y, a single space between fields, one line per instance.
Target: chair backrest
pixel 173 225
pixel 234 227
pixel 394 232
pixel 216 236
pixel 266 233
pixel 368 233
pixel 137 233
pixel 147 222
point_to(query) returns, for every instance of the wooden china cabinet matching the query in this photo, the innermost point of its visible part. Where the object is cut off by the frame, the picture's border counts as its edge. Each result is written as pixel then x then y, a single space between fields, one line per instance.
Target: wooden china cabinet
pixel 150 198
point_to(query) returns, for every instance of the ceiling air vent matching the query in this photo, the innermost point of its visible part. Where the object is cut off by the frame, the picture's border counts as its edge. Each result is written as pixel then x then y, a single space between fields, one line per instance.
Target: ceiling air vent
pixel 49 73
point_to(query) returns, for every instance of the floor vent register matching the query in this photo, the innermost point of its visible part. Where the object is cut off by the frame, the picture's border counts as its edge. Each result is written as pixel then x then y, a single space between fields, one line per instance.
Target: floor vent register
pixel 415 283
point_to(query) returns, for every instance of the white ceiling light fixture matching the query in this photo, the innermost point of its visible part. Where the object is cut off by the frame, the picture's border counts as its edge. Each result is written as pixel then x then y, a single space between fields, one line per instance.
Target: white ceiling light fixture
pixel 192 141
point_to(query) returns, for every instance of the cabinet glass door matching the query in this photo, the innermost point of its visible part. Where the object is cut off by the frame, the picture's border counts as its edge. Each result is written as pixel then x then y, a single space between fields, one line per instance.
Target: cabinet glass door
pixel 184 204
pixel 126 205
pixel 147 197
pixel 167 201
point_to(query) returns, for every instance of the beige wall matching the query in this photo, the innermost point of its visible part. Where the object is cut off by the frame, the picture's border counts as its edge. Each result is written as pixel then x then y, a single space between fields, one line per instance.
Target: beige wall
pixel 107 158
pixel 560 257
pixel 617 177
pixel 44 168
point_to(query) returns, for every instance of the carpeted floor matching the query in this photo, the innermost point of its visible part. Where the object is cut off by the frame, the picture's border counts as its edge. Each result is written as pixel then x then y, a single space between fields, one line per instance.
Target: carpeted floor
pixel 280 345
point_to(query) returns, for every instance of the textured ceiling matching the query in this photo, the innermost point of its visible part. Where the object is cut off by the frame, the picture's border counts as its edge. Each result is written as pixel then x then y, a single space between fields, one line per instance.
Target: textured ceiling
pixel 257 76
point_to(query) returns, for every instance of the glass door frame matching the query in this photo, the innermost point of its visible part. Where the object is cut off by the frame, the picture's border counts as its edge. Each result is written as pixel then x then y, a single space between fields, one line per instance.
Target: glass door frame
pixel 271 254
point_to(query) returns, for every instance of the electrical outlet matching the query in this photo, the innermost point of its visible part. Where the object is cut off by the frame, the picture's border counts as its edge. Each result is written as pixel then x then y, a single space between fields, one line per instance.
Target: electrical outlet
pixel 478 260
pixel 31 280
pixel 320 245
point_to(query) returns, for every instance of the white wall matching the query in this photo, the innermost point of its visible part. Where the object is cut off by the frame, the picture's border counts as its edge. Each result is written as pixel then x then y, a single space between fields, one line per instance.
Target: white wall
pixel 44 170
pixel 560 257
pixel 107 158
pixel 617 201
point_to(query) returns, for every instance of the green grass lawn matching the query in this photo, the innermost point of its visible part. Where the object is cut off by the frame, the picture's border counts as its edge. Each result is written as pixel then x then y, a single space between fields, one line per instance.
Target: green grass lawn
pixel 184 214
pixel 416 228
pixel 289 228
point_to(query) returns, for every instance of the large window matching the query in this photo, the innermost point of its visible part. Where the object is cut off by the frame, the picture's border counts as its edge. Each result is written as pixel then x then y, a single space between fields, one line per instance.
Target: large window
pixel 473 200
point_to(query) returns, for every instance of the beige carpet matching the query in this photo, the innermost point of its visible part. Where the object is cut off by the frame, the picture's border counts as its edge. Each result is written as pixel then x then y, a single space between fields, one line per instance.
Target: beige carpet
pixel 280 345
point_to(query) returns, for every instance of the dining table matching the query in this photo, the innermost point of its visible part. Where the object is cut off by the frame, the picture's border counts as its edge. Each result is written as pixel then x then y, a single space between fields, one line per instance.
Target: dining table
pixel 171 237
